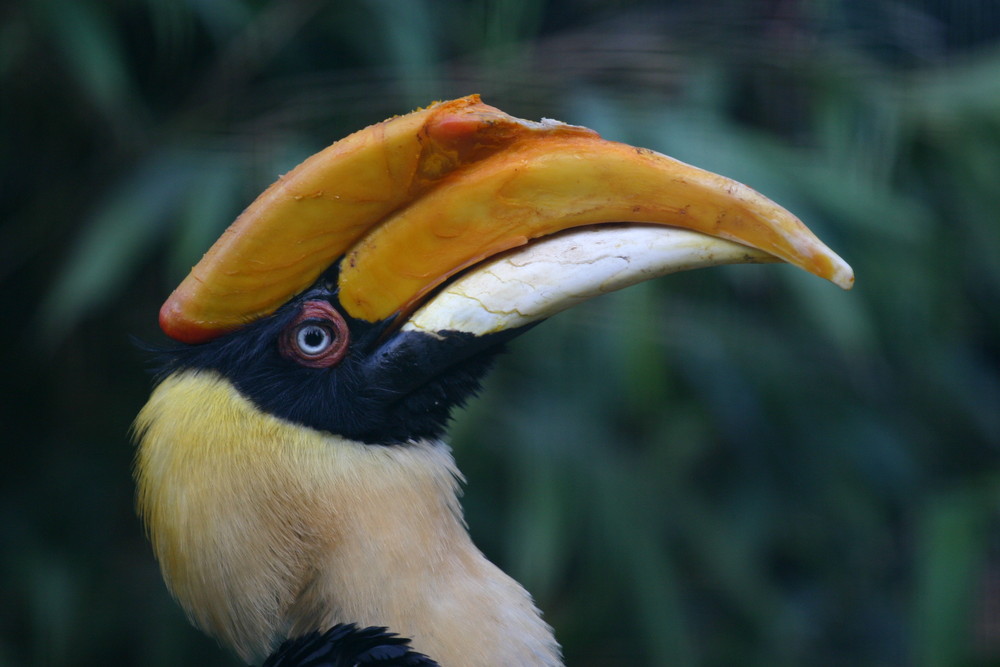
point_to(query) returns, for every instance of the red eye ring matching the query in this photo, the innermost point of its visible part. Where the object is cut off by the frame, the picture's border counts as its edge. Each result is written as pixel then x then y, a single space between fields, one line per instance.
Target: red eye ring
pixel 318 337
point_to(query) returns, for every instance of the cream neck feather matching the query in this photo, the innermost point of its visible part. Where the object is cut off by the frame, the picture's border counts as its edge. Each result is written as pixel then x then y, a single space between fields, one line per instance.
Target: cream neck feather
pixel 266 529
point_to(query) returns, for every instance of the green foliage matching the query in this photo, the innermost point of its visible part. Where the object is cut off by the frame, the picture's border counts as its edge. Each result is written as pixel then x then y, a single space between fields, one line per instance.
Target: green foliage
pixel 738 466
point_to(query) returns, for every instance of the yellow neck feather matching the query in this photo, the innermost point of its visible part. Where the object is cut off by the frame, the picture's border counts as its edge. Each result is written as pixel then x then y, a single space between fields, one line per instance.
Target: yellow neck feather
pixel 266 529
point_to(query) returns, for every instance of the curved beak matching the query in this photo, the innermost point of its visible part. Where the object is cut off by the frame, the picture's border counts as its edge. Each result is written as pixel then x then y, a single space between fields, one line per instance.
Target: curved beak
pixel 519 209
pixel 534 282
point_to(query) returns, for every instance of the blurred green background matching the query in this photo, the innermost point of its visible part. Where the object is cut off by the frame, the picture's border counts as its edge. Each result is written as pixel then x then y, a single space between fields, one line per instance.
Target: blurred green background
pixel 741 466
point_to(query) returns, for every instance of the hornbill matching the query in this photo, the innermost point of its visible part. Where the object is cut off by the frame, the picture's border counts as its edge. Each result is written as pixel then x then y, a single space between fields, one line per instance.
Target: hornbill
pixel 290 467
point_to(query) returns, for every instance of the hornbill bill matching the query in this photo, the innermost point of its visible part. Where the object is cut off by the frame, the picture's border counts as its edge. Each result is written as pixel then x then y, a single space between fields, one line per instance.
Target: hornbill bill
pixel 290 468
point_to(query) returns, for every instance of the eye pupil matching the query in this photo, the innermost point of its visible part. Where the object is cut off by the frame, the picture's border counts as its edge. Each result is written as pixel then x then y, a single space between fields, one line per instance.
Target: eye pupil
pixel 314 339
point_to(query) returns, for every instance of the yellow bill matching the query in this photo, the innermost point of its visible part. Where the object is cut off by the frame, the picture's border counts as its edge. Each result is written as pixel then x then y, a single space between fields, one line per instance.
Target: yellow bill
pixel 412 201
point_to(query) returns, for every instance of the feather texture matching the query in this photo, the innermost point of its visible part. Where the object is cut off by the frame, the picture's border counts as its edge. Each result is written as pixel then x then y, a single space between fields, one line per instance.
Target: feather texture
pixel 347 645
pixel 266 529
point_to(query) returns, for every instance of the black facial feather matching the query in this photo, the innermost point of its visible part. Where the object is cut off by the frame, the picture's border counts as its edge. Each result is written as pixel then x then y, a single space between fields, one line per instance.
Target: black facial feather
pixel 390 388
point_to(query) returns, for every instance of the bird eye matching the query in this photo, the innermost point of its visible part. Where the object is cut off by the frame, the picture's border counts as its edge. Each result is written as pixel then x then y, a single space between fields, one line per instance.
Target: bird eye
pixel 313 339
pixel 317 337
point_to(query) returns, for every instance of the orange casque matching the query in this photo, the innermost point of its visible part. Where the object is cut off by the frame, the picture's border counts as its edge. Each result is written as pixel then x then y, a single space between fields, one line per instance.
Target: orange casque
pixel 413 200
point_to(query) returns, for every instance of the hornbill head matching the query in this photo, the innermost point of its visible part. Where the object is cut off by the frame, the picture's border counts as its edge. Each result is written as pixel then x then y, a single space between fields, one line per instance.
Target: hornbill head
pixel 290 468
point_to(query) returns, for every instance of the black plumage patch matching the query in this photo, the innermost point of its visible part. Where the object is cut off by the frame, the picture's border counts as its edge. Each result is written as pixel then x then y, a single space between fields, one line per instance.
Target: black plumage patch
pixel 391 387
pixel 346 645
